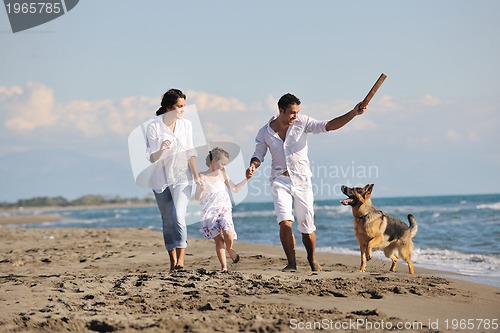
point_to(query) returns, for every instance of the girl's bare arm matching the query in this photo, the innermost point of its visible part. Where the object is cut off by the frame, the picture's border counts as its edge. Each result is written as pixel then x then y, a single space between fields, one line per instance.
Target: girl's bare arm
pixel 233 187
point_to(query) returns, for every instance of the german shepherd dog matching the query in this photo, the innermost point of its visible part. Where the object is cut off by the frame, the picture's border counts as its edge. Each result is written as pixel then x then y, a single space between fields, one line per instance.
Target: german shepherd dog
pixel 377 230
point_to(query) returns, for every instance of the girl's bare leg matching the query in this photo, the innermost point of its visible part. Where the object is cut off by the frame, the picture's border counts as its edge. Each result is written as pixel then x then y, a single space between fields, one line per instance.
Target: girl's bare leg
pixel 229 240
pixel 221 252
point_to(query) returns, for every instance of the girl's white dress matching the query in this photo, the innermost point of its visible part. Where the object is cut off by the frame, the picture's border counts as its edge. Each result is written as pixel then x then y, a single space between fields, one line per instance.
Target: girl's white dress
pixel 216 210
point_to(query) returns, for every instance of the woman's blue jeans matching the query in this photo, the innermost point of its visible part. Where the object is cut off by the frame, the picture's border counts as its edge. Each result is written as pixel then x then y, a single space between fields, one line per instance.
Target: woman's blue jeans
pixel 173 202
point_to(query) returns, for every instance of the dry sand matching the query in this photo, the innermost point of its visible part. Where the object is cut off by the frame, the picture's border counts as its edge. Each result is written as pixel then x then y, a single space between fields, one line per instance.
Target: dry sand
pixel 116 280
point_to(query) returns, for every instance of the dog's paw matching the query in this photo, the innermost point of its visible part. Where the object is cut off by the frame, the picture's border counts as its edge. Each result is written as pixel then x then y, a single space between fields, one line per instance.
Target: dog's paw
pixel 369 255
pixel 362 270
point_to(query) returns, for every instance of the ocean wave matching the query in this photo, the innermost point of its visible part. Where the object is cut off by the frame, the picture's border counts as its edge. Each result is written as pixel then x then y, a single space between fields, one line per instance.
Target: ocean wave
pixel 472 264
pixel 333 210
pixel 408 209
pixel 337 250
pixel 494 206
pixel 262 213
pixel 400 210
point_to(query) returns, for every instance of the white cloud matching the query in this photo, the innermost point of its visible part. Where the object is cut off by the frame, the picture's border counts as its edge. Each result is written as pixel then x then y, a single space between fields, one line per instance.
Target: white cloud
pixel 206 101
pixel 229 119
pixel 91 118
pixel 31 111
pixel 272 103
pixel 386 103
pixel 453 136
pixel 473 136
pixel 429 100
pixel 328 111
pixel 28 109
pixel 9 92
pixel 32 108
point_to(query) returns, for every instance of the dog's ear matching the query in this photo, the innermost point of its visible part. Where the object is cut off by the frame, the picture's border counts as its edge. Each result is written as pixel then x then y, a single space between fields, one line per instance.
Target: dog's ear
pixel 367 191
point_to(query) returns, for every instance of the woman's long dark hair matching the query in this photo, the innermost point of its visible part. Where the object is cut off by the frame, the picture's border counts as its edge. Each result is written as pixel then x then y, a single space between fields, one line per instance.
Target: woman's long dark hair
pixel 169 99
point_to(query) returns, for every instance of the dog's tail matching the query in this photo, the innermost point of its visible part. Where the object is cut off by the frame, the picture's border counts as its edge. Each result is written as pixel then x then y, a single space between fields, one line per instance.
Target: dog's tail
pixel 413 225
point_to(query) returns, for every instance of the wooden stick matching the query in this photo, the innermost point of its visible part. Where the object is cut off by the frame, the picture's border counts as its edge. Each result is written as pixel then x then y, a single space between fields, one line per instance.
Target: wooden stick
pixel 373 90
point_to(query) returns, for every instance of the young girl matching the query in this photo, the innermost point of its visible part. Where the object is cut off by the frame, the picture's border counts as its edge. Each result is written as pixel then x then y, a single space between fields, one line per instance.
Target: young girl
pixel 216 207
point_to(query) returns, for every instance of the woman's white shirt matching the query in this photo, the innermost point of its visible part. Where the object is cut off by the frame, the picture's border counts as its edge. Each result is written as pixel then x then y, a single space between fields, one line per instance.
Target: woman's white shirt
pixel 172 168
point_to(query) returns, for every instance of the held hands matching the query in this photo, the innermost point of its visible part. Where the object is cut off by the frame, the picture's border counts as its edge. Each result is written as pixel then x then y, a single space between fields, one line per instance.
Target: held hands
pixel 200 186
pixel 248 174
pixel 250 171
pixel 200 181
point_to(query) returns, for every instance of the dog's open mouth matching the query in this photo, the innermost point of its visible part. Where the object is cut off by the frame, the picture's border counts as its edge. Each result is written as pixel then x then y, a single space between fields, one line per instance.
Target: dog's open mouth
pixel 347 202
pixel 351 198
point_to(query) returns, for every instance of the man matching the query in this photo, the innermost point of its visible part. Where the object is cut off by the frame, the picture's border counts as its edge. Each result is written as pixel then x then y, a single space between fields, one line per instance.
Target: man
pixel 286 138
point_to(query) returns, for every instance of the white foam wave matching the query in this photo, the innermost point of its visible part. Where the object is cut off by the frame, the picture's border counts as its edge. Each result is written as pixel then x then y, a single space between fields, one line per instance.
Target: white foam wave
pixel 194 217
pixel 337 250
pixel 82 221
pixel 494 206
pixel 408 209
pixel 400 210
pixel 480 265
pixel 333 210
pixel 262 213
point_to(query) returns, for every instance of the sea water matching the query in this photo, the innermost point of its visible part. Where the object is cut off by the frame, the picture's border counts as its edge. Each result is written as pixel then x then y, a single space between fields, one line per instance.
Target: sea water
pixel 460 234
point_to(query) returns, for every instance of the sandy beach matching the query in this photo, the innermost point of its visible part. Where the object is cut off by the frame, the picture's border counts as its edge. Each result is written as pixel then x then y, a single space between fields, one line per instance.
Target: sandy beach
pixel 116 280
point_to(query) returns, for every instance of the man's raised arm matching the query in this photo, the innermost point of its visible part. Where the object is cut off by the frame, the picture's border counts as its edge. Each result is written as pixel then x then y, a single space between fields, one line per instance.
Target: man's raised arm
pixel 339 122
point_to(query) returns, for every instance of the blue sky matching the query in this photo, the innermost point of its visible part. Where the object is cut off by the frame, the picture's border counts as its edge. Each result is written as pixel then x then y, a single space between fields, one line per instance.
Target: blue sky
pixel 72 90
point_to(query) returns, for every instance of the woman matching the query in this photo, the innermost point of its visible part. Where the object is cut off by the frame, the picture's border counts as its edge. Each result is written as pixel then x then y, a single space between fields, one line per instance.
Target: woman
pixel 170 148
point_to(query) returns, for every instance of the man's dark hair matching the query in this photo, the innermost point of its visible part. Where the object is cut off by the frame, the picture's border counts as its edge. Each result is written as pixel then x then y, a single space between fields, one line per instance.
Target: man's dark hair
pixel 286 100
pixel 169 99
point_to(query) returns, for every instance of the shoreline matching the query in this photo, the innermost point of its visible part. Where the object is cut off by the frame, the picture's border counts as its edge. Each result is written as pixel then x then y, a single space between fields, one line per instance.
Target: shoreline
pixel 38 215
pixel 35 218
pixel 82 279
pixel 29 219
pixel 31 210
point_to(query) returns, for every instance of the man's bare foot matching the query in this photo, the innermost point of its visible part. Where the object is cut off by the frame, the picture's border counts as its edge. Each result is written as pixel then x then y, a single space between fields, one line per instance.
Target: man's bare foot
pixel 315 267
pixel 290 268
